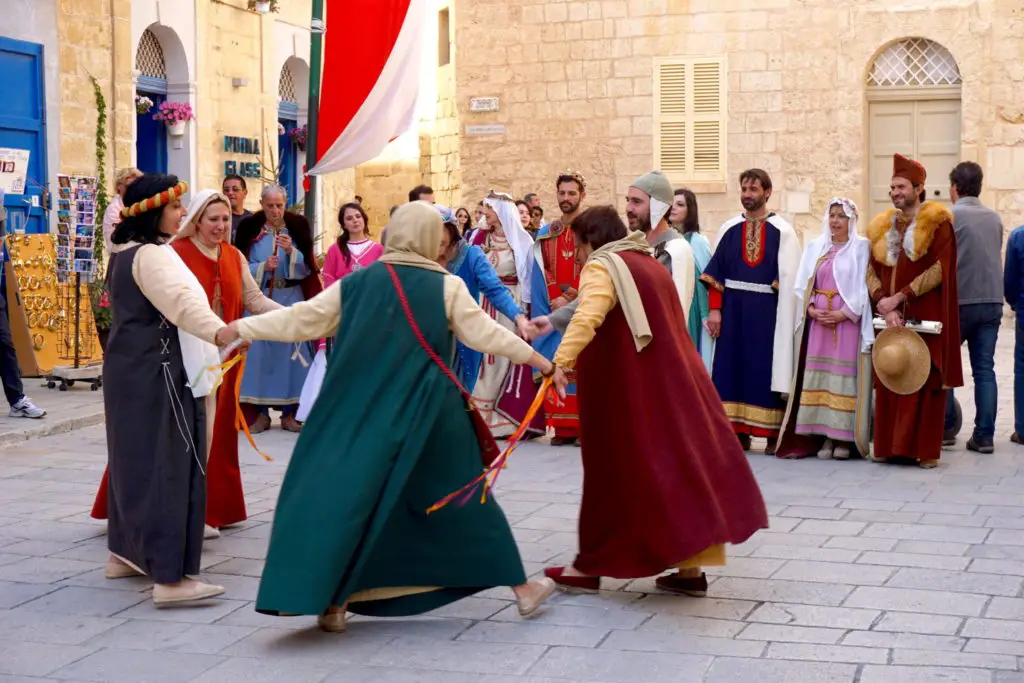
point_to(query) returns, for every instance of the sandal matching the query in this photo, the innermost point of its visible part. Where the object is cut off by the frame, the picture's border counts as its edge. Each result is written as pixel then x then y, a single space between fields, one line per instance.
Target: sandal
pixel 827 450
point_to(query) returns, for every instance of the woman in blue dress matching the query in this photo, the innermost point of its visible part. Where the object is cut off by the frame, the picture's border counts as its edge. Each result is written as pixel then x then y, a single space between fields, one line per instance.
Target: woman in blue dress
pixel 470 264
pixel 684 217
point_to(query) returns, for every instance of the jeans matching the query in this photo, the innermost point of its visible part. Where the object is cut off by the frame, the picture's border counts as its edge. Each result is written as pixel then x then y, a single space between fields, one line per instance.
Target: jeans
pixel 979 327
pixel 10 373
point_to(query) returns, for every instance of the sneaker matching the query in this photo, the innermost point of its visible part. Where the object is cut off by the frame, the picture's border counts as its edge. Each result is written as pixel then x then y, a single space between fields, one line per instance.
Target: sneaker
pixel 26 408
pixel 981 446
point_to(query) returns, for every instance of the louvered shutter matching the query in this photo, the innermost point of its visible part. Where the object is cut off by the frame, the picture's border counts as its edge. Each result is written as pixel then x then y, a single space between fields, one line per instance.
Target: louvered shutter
pixel 689 118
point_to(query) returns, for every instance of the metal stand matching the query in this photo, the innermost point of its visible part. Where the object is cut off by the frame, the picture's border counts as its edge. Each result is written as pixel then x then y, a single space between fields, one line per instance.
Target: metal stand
pixel 64 376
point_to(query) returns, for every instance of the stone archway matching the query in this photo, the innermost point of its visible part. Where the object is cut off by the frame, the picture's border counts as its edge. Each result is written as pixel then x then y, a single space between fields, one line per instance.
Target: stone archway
pixel 292 112
pixel 913 91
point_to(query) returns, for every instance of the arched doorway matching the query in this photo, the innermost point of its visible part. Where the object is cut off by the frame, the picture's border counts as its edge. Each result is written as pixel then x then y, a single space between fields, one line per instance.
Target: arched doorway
pixel 913 91
pixel 293 84
pixel 151 84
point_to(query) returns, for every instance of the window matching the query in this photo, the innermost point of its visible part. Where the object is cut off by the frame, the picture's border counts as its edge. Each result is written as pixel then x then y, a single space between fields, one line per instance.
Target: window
pixel 689 118
pixel 444 39
pixel 916 62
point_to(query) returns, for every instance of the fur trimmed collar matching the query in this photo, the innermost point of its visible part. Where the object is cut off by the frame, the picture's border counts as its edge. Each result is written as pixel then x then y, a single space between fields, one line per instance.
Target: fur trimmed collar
pixel 885 237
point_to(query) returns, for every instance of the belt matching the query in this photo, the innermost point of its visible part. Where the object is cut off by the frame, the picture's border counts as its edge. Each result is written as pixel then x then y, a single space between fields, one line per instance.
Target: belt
pixel 509 280
pixel 749 286
pixel 281 283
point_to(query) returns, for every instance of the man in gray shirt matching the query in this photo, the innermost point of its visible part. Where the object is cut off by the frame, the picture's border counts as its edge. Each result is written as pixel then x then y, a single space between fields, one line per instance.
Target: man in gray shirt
pixel 979 242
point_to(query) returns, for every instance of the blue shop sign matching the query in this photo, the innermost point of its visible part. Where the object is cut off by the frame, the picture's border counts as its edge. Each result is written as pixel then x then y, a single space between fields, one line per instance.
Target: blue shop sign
pixel 239 145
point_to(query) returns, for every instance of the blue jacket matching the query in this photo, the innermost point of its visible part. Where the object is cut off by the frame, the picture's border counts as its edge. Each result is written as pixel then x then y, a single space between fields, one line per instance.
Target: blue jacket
pixel 1013 273
pixel 472 266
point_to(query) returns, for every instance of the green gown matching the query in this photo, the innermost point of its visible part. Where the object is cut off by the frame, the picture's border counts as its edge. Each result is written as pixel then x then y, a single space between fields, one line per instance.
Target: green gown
pixel 388 436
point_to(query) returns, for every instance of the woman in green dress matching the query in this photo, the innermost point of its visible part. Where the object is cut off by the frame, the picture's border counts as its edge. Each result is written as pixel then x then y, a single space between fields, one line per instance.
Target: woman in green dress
pixel 387 438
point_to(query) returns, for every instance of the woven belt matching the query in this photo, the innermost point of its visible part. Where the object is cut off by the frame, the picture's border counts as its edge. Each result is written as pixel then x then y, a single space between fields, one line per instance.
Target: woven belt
pixel 510 280
pixel 281 283
pixel 749 286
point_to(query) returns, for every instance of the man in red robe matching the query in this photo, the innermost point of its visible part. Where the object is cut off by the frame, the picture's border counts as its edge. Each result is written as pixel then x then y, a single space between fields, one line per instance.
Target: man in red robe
pixel 665 483
pixel 912 276
pixel 555 250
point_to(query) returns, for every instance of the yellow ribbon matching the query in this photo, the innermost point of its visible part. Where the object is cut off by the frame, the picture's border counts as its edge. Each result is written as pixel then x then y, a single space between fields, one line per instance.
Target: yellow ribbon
pixel 240 422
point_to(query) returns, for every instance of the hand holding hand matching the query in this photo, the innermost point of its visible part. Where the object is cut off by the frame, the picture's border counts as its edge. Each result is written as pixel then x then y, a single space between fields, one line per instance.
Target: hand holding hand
pixel 540 326
pixel 893 319
pixel 272 262
pixel 714 323
pixel 560 382
pixel 889 304
pixel 524 328
pixel 558 303
pixel 227 334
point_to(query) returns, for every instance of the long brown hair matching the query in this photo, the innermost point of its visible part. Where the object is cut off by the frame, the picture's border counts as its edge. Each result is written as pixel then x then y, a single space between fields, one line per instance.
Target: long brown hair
pixel 343 238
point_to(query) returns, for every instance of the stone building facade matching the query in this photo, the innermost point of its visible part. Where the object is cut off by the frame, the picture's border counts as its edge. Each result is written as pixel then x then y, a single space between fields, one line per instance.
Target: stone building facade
pixel 818 92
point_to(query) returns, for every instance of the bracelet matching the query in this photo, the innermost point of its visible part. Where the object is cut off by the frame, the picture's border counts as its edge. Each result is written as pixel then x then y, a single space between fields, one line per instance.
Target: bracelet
pixel 550 374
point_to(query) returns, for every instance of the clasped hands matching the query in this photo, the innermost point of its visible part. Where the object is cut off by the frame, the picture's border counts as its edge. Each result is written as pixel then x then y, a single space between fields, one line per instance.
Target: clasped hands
pixel 887 309
pixel 228 334
pixel 826 318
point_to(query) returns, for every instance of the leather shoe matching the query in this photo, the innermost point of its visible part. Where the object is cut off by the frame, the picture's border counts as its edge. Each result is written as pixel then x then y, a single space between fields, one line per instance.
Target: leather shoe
pixel 545 587
pixel 261 424
pixel 332 622
pixel 290 424
pixel 981 446
pixel 573 584
pixel 188 590
pixel 694 586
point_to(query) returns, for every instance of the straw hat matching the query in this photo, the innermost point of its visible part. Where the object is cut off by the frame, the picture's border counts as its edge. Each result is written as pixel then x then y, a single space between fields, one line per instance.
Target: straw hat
pixel 901 359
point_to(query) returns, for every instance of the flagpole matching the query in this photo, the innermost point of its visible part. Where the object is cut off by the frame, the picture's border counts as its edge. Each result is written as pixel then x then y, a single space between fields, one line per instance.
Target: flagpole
pixel 316 50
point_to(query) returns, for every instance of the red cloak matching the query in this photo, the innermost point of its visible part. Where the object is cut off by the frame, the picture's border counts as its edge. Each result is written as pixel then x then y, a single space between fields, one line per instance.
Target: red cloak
pixel 664 477
pixel 912 426
pixel 225 501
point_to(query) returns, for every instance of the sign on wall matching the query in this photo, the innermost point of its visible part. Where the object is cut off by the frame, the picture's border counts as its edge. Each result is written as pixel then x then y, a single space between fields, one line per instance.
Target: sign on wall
pixel 13 170
pixel 239 145
pixel 483 104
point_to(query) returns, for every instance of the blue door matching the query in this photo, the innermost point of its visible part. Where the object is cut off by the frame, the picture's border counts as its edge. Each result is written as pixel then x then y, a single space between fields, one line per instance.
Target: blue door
pixel 23 126
pixel 151 137
pixel 289 160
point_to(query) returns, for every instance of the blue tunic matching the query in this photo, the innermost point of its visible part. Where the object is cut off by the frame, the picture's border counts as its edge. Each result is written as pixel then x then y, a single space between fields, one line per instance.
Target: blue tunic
pixel 471 264
pixel 272 377
pixel 742 368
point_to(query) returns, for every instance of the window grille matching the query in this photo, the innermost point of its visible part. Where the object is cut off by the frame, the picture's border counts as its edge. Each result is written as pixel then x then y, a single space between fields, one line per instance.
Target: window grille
pixel 149 59
pixel 916 62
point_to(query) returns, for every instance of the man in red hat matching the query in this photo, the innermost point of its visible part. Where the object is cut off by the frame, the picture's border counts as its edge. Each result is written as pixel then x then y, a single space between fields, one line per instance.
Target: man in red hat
pixel 912 276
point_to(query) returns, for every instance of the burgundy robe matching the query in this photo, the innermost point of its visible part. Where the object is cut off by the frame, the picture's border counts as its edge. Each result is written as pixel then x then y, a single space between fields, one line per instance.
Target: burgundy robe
pixel 664 477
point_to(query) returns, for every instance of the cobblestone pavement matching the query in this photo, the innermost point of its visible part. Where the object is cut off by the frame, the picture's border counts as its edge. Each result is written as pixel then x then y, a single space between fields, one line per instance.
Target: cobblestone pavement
pixel 870 573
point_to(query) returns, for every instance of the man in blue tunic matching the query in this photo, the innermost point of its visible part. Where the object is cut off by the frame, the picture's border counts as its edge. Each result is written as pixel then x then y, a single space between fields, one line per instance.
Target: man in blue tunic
pixel 750 281
pixel 279 245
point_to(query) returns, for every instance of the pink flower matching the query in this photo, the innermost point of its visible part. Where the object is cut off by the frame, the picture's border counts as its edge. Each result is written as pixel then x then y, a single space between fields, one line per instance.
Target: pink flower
pixel 174 112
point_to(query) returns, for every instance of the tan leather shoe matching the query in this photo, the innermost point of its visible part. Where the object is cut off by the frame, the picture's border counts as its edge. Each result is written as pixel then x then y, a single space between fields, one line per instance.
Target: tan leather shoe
pixel 188 590
pixel 332 623
pixel 290 424
pixel 543 588
pixel 261 424
pixel 118 568
pixel 210 532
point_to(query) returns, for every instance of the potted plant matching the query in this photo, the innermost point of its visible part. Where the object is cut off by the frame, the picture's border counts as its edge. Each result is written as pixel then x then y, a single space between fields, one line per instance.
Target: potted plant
pixel 176 115
pixel 101 313
pixel 143 104
pixel 298 137
pixel 263 6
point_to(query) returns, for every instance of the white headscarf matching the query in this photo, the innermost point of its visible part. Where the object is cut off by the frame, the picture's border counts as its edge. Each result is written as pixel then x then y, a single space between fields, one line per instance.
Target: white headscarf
pixel 850 267
pixel 518 239
pixel 195 211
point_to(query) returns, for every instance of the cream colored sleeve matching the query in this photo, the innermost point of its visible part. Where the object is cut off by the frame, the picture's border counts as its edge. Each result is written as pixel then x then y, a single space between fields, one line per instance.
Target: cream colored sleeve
pixel 305 321
pixel 477 330
pixel 597 298
pixel 252 297
pixel 160 279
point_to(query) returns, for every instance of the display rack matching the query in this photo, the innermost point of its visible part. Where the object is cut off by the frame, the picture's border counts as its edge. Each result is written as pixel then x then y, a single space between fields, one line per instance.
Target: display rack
pixel 76 336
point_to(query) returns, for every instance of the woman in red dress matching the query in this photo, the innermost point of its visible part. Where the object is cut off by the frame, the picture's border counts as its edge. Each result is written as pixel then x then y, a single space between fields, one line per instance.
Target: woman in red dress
pixel 665 483
pixel 203 244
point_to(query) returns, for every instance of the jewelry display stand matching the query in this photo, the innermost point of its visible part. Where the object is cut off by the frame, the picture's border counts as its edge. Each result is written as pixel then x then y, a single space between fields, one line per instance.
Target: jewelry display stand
pixel 75 342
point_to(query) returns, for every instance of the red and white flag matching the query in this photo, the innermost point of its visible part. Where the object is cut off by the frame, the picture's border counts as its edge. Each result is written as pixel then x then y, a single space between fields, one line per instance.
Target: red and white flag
pixel 371 77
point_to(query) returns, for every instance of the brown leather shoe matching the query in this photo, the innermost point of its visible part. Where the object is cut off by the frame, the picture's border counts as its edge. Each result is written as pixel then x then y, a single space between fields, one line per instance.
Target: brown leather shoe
pixel 696 586
pixel 290 424
pixel 261 424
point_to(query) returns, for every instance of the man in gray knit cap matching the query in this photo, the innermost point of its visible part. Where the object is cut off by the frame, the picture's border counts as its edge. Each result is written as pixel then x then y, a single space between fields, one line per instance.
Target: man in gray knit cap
pixel 647 204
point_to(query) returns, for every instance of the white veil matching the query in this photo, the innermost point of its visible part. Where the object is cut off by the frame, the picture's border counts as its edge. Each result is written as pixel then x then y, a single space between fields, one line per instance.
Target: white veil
pixel 518 239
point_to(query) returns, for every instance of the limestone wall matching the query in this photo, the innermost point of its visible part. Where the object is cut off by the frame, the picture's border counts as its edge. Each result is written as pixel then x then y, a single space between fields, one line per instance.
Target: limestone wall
pixel 575 82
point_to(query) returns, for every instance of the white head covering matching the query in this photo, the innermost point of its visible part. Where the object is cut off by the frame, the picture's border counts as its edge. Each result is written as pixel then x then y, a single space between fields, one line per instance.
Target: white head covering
pixel 518 239
pixel 850 267
pixel 195 211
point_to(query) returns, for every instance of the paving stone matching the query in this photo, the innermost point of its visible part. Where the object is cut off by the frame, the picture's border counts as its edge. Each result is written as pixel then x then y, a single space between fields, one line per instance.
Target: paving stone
pixel 872 516
pixel 909 622
pixel 940 508
pixel 792 552
pixel 910 600
pixel 140 634
pixel 880 505
pixel 357 645
pixel 834 573
pixel 995 647
pixel 357 673
pixel 535 634
pixel 791 634
pixel 861 543
pixel 997 629
pixel 814 512
pixel 1006 608
pixel 568 615
pixel 262 671
pixel 88 602
pixel 925 532
pixel 932 548
pixel 37 627
pixel 712 608
pixel 136 666
pixel 14 594
pixel 698 626
pixel 682 643
pixel 896 559
pixel 911 641
pixel 43 570
pixel 205 613
pixel 1010 567
pixel 751 568
pixel 955 659
pixel 923 674
pixel 901 495
pixel 960 582
pixel 771 590
pixel 814 615
pixel 827 653
pixel 469 657
pixel 21 658
pixel 627 667
pixel 770 671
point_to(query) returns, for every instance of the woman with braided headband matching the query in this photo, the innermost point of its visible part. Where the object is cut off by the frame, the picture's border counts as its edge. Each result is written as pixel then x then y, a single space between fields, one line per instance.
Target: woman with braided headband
pixel 156 421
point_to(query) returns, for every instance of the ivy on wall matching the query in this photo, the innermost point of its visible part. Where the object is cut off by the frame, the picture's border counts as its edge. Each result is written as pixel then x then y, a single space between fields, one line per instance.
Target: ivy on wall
pixel 97 293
